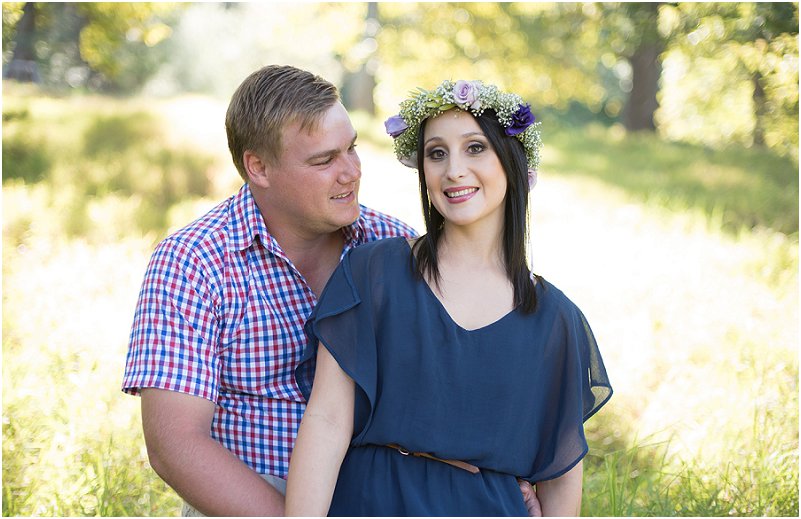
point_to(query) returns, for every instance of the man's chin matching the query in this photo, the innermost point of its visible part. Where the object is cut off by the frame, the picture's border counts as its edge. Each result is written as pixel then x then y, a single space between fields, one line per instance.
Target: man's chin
pixel 352 217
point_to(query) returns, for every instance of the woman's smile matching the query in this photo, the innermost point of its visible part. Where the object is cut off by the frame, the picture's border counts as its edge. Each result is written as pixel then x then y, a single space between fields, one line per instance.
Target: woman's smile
pixel 457 195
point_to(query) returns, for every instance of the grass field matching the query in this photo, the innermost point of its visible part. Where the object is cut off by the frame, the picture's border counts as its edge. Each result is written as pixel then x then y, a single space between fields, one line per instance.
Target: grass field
pixel 684 260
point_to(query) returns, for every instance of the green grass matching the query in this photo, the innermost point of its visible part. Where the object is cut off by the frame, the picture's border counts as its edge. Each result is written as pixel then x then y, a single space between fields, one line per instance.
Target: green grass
pixel 643 478
pixel 738 188
pixel 84 152
pixel 701 345
pixel 72 442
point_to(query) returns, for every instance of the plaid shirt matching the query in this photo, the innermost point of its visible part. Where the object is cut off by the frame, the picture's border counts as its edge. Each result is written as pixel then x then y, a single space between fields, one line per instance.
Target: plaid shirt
pixel 220 316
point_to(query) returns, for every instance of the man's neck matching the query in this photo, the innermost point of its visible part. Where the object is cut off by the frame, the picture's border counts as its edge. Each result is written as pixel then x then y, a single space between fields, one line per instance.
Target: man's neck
pixel 315 257
pixel 314 252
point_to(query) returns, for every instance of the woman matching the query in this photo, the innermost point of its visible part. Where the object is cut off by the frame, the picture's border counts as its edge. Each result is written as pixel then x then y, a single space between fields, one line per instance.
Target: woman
pixel 448 370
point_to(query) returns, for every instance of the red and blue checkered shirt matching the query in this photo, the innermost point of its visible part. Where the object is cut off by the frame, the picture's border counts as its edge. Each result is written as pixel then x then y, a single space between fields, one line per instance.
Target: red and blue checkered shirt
pixel 220 316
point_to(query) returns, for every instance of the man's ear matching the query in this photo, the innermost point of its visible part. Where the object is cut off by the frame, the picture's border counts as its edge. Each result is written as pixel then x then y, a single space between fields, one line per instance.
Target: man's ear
pixel 257 169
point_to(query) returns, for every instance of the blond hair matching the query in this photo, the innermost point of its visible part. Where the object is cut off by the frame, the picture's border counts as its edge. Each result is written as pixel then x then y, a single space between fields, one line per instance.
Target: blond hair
pixel 268 101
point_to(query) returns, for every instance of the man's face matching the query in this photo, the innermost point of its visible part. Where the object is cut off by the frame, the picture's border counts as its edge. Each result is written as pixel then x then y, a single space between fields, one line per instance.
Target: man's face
pixel 315 185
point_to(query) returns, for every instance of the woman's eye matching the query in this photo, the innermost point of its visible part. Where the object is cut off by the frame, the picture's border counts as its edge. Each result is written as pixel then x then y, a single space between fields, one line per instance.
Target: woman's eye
pixel 476 148
pixel 436 154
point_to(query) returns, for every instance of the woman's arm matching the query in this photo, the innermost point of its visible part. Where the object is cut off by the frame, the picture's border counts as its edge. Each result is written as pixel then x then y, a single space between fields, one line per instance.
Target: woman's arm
pixel 323 438
pixel 561 497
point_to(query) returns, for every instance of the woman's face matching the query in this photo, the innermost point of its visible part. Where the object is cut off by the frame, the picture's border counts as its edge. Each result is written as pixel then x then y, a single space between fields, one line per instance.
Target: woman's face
pixel 465 179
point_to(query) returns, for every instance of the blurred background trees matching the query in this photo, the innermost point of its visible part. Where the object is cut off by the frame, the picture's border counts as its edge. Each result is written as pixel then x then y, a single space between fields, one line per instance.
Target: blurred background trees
pixel 709 73
pixel 105 47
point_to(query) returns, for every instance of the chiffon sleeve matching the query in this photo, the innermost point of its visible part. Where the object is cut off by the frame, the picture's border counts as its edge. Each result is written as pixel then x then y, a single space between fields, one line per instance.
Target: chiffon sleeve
pixel 596 389
pixel 343 323
pixel 575 387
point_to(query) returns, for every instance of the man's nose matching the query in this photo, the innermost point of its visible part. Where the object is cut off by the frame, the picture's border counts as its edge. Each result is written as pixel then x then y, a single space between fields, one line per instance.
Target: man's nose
pixel 351 168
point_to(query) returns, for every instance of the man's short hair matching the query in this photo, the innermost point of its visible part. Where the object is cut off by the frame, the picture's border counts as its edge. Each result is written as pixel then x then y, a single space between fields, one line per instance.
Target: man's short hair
pixel 268 101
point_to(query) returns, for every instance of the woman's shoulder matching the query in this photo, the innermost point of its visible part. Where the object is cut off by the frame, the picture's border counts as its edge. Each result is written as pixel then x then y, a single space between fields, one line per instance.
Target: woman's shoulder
pixel 381 247
pixel 379 254
pixel 553 298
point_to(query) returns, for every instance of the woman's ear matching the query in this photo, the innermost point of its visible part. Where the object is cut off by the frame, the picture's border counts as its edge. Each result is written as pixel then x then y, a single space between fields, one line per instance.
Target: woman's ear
pixel 257 169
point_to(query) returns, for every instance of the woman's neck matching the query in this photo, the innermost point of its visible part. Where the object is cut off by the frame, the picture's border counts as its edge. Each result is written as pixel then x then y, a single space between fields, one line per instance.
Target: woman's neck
pixel 473 285
pixel 478 248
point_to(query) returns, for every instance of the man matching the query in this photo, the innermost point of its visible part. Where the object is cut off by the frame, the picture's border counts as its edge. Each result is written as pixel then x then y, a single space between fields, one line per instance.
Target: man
pixel 218 329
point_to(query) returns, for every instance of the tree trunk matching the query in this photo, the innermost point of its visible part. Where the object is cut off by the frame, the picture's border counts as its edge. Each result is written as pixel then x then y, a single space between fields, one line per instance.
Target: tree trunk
pixel 357 91
pixel 760 109
pixel 358 87
pixel 73 70
pixel 23 66
pixel 642 103
pixel 646 68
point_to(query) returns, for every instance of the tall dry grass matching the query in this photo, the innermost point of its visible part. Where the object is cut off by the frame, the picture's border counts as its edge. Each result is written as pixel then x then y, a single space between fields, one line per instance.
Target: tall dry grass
pixel 697 317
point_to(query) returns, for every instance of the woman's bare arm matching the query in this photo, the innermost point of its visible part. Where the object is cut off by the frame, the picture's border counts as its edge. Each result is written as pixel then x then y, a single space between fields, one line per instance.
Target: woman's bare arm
pixel 561 497
pixel 323 438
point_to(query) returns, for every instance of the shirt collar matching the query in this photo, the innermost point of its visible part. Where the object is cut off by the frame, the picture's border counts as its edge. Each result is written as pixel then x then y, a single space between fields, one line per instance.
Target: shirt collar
pixel 355 233
pixel 247 223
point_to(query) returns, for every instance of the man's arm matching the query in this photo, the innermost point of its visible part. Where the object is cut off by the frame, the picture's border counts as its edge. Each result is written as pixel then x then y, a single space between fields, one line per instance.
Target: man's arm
pixel 203 472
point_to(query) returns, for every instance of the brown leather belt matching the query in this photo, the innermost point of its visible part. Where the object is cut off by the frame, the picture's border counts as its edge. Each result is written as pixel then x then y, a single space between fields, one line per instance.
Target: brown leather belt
pixel 454 463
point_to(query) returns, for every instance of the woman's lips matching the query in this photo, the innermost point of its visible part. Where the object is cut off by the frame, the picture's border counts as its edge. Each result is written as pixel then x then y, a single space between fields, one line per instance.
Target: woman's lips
pixel 457 195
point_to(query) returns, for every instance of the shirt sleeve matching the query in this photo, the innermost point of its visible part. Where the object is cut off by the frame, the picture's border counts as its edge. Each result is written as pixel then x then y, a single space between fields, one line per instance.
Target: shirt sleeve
pixel 174 335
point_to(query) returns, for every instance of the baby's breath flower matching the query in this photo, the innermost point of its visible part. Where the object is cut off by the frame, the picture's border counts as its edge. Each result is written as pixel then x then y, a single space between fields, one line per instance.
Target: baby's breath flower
pixel 470 96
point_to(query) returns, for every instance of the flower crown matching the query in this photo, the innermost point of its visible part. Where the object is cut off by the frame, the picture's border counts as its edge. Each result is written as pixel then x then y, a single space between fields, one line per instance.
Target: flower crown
pixel 472 96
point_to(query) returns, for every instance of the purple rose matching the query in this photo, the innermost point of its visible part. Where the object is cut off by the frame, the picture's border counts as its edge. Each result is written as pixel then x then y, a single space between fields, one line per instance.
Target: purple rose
pixel 395 126
pixel 466 93
pixel 521 120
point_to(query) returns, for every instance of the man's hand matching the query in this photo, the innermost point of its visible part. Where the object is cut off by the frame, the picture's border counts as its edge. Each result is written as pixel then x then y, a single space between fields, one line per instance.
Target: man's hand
pixel 530 498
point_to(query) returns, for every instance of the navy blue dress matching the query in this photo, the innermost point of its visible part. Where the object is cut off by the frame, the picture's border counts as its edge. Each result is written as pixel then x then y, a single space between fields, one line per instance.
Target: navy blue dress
pixel 509 398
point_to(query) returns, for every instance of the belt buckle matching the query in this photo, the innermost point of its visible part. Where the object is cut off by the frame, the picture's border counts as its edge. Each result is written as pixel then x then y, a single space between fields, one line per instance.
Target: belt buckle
pixel 403 451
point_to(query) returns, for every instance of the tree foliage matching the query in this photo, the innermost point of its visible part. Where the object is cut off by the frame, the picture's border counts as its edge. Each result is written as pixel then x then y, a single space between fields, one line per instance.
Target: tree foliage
pixel 514 45
pixel 119 39
pixel 103 46
pixel 710 73
pixel 734 74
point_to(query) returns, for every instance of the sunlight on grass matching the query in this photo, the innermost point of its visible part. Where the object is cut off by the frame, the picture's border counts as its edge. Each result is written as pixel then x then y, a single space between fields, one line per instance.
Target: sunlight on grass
pixel 695 310
pixel 737 188
pixel 71 442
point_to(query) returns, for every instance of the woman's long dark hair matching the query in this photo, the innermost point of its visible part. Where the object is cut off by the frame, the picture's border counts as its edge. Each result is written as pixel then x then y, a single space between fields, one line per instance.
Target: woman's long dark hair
pixel 515 227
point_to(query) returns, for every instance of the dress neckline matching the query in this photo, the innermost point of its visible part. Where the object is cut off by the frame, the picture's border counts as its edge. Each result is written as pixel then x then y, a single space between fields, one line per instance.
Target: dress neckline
pixel 430 293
